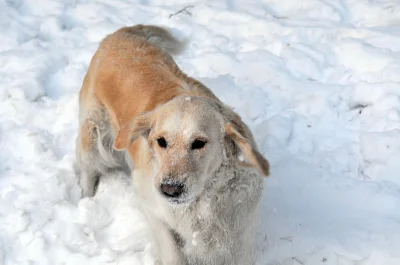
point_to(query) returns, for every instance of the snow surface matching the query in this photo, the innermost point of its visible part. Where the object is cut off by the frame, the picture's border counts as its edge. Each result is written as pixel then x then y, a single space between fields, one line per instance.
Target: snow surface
pixel 318 82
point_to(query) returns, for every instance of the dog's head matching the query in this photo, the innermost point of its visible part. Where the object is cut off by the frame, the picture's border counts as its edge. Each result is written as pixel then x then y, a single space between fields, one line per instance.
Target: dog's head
pixel 189 138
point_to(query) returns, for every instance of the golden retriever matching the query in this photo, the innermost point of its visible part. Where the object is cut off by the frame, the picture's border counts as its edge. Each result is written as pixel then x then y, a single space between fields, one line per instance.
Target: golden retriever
pixel 195 166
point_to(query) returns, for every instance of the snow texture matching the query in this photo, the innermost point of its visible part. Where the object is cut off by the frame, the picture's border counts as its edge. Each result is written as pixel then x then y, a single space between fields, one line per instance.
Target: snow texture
pixel 317 81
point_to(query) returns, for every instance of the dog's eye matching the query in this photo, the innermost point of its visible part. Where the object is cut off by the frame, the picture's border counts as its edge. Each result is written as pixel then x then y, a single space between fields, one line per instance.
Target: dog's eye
pixel 198 144
pixel 162 142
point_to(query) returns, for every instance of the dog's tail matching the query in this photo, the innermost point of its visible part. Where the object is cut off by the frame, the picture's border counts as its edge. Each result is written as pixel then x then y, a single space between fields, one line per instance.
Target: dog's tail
pixel 161 37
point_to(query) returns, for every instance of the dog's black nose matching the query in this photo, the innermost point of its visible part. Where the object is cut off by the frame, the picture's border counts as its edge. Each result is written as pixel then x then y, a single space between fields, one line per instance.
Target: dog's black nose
pixel 172 189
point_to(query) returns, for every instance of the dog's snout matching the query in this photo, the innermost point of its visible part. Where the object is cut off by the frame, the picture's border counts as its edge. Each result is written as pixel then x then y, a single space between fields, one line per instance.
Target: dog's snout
pixel 172 189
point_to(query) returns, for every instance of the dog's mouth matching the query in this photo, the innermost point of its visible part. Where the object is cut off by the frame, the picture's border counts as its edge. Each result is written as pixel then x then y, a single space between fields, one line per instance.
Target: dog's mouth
pixel 184 201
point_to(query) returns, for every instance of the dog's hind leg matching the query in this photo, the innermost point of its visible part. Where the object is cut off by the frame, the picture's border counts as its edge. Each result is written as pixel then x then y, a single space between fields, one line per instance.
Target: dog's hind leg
pixel 88 182
pixel 87 167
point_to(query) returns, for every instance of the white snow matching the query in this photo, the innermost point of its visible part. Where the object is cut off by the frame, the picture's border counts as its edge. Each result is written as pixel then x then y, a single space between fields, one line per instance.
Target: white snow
pixel 194 241
pixel 317 81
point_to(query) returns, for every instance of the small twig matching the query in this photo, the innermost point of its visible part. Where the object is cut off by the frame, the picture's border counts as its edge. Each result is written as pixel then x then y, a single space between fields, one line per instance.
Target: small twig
pixel 359 106
pixel 296 259
pixel 280 17
pixel 288 238
pixel 183 10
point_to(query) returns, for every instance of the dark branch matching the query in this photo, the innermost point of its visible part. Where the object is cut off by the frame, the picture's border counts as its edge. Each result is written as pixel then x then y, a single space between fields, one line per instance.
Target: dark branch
pixel 183 10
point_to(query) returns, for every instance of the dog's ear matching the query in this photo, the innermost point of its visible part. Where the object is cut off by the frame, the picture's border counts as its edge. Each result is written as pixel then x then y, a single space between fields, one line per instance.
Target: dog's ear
pixel 241 145
pixel 245 151
pixel 140 126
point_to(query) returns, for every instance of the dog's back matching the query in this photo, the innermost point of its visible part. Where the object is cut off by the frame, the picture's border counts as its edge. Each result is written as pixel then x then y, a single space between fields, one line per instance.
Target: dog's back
pixel 131 69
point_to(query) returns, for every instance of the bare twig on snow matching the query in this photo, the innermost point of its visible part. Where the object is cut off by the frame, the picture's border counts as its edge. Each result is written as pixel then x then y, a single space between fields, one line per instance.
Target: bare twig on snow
pixel 183 10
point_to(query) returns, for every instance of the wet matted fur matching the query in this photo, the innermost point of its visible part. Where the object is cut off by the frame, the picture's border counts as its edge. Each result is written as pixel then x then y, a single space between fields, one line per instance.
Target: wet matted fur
pixel 195 166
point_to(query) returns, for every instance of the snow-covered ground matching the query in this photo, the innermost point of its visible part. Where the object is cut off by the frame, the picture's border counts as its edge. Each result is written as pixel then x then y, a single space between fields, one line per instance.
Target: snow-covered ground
pixel 318 81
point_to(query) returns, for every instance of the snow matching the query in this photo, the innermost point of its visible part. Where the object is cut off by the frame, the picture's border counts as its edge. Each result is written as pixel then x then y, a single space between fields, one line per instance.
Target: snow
pixel 194 241
pixel 317 81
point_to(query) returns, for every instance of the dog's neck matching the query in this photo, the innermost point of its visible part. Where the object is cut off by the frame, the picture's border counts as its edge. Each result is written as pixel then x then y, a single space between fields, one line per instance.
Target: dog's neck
pixel 212 222
pixel 228 179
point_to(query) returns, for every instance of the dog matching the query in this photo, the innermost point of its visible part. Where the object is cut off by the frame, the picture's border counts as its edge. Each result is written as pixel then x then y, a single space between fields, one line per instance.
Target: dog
pixel 196 168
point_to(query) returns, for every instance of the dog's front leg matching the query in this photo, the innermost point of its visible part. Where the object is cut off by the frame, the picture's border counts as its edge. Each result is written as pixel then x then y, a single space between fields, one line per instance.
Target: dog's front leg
pixel 168 247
